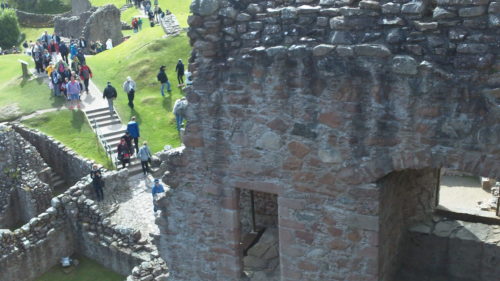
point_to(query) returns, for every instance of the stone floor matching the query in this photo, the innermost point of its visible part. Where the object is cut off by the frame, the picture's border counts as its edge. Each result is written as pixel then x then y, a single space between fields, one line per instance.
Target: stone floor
pixel 262 261
pixel 461 194
pixel 133 207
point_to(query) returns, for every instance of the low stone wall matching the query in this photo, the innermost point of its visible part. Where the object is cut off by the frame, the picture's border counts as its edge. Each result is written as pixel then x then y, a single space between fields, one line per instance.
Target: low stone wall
pixel 450 250
pixel 31 250
pixel 37 20
pixel 151 270
pixel 63 160
pixel 170 25
pixel 73 224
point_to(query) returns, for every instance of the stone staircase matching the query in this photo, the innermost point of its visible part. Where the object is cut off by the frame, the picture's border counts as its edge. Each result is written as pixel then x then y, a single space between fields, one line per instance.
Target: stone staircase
pixel 59 185
pixel 109 130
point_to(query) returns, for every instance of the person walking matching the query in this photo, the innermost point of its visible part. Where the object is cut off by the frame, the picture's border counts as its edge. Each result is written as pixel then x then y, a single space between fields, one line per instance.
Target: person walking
pixel 129 88
pixel 123 152
pixel 128 139
pixel 109 44
pixel 37 53
pixel 133 129
pixel 54 50
pixel 162 77
pixel 85 75
pixel 73 89
pixel 179 68
pixel 110 94
pixel 157 188
pixel 144 155
pixel 96 176
pixel 180 111
pixel 63 49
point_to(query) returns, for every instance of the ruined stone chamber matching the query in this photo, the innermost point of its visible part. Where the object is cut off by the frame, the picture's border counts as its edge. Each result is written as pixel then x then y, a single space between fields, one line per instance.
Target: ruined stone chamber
pixel 24 180
pixel 345 110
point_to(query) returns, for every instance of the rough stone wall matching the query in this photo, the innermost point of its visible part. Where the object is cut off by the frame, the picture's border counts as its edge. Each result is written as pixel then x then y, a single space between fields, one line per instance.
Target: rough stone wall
pixel 71 27
pixel 104 23
pixel 315 101
pixel 23 195
pixel 451 250
pixel 63 160
pixel 79 6
pixel 406 197
pixel 31 250
pixel 37 20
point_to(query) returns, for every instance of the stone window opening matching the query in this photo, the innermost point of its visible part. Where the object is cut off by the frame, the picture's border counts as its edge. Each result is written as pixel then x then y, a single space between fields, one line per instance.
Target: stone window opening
pixel 259 239
pixel 466 196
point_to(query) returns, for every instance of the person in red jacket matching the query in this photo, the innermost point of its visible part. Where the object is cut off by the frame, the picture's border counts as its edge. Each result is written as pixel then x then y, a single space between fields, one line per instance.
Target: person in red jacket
pixel 53 50
pixel 85 75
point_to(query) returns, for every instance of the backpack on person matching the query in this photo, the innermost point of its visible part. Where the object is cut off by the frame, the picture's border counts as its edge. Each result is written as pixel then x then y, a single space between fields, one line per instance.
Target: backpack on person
pixel 85 73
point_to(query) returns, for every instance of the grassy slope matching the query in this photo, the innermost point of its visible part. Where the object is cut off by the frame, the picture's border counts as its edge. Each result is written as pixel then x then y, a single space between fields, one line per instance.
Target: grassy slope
pixel 180 8
pixel 87 270
pixel 140 57
pixel 71 128
pixel 27 96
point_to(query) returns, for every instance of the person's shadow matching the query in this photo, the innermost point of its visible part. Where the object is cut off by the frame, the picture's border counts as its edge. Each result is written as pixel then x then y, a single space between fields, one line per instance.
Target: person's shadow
pixel 78 119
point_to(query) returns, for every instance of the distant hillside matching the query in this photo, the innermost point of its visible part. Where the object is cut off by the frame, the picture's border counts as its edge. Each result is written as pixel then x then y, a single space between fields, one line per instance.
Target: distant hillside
pixel 41 6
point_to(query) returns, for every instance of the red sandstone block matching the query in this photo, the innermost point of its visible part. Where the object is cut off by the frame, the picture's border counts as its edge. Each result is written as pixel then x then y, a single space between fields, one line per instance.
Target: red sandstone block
pixel 291 203
pixel 307 266
pixel 290 224
pixel 278 125
pixel 335 232
pixel 259 186
pixel 305 236
pixel 298 149
pixel 292 163
pixel 331 119
pixel 338 244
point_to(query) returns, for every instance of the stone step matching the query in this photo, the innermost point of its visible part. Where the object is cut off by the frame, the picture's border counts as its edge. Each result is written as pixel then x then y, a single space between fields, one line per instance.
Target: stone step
pixel 97 110
pixel 107 123
pixel 103 119
pixel 58 183
pixel 115 133
pixel 99 114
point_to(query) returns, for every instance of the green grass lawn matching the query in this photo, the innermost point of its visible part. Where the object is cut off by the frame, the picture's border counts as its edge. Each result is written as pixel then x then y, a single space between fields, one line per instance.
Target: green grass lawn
pixel 72 129
pixel 20 96
pixel 140 57
pixel 180 8
pixel 87 270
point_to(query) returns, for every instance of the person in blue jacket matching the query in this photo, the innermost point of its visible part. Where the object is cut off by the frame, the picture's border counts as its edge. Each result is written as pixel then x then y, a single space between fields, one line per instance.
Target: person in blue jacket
pixel 157 188
pixel 133 129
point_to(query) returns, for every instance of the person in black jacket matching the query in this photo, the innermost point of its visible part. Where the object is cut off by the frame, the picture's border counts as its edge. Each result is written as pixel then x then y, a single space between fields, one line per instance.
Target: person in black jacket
pixel 63 49
pixel 110 94
pixel 123 151
pixel 162 77
pixel 96 176
pixel 179 68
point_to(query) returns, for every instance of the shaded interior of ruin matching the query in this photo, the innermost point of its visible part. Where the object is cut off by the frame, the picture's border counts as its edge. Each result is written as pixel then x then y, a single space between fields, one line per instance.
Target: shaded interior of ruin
pixel 259 235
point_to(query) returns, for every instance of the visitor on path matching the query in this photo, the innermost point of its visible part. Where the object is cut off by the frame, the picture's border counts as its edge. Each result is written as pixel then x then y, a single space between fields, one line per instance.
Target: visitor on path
pixel 123 151
pixel 45 38
pixel 144 155
pixel 37 53
pixel 54 50
pixel 81 56
pixel 109 44
pixel 57 81
pixel 85 74
pixel 179 68
pixel 82 43
pixel 73 50
pixel 128 139
pixel 110 94
pixel 63 49
pixel 180 107
pixel 50 68
pixel 56 38
pixel 46 58
pixel 135 25
pixel 73 89
pixel 157 188
pixel 162 77
pixel 97 182
pixel 139 23
pixel 189 78
pixel 151 17
pixel 133 129
pixel 129 88
pixel 75 64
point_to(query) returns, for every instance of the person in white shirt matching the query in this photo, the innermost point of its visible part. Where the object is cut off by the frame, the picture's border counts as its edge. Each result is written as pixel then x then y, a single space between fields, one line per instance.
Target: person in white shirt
pixel 129 88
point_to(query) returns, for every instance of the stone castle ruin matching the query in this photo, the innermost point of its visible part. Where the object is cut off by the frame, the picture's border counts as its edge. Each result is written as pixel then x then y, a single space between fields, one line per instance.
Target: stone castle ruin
pixel 316 137
pixel 91 23
pixel 344 111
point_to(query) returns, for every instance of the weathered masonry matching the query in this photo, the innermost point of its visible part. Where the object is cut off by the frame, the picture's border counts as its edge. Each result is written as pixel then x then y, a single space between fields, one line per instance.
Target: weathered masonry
pixel 345 110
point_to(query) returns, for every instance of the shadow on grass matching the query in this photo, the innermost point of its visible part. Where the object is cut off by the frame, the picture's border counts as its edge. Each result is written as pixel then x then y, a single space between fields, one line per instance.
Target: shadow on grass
pixel 167 102
pixel 57 101
pixel 137 115
pixel 78 120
